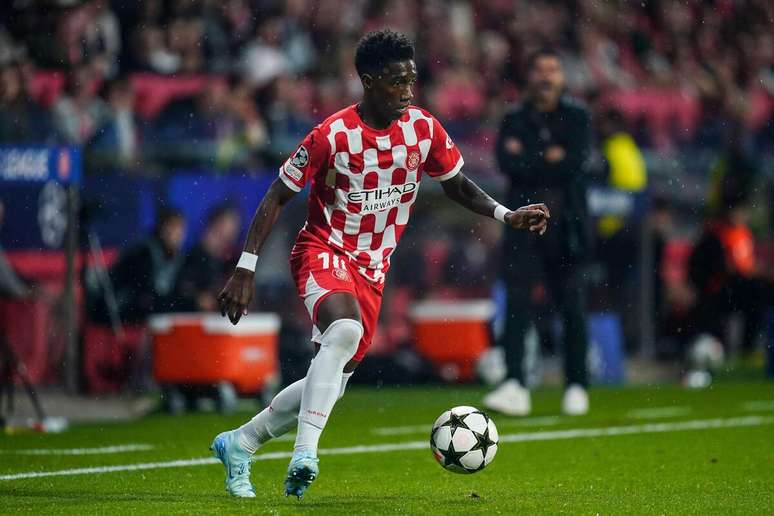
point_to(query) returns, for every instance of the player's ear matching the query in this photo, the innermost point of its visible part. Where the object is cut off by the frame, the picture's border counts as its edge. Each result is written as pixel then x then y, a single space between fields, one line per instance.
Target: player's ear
pixel 367 80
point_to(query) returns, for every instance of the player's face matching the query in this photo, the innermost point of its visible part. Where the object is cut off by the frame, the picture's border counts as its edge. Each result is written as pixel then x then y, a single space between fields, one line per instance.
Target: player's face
pixel 546 78
pixel 394 88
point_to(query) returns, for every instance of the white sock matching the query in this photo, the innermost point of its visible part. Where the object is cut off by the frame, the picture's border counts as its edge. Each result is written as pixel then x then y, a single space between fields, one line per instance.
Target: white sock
pixel 324 380
pixel 279 417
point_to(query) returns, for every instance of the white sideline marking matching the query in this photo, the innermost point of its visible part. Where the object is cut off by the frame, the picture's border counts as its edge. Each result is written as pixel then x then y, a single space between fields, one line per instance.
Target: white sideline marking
pixel 650 428
pixel 420 429
pixel 533 421
pixel 658 412
pixel 122 448
pixel 111 469
pixel 757 405
pixel 401 430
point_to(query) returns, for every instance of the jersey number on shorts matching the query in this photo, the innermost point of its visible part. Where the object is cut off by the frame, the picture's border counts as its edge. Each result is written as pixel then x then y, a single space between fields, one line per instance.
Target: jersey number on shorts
pixel 339 265
pixel 326 260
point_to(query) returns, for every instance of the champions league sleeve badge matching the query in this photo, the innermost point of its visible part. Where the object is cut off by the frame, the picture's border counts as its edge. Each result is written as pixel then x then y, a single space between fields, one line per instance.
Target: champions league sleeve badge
pixel 300 158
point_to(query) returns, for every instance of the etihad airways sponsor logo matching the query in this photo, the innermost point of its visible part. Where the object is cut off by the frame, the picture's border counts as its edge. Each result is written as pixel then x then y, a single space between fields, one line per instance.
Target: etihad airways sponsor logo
pixel 379 199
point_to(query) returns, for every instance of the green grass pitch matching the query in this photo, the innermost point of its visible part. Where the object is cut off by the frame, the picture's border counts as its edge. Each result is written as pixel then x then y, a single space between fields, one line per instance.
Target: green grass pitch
pixel 656 450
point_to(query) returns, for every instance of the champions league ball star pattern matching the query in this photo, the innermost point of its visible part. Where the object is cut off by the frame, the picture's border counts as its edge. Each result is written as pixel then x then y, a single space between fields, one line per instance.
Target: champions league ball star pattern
pixel 364 181
pixel 464 440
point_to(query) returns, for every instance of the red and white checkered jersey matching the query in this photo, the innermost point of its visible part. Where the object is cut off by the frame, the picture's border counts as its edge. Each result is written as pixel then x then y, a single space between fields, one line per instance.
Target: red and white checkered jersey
pixel 364 181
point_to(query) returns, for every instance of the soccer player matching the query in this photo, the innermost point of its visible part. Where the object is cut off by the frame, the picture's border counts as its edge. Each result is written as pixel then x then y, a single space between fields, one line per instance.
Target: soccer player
pixel 364 165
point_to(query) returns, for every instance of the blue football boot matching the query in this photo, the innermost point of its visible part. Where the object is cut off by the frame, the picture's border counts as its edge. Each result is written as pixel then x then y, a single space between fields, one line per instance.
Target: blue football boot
pixel 302 471
pixel 226 448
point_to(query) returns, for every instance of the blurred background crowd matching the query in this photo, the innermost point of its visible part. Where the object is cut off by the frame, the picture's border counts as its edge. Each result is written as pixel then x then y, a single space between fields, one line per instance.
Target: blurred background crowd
pixel 249 77
pixel 680 91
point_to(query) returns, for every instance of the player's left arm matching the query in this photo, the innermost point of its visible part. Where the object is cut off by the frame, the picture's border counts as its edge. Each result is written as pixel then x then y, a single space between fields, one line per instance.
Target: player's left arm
pixel 465 192
pixel 444 163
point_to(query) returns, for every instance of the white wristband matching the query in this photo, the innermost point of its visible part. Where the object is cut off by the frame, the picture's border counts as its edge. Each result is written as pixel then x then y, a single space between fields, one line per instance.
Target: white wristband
pixel 247 261
pixel 500 212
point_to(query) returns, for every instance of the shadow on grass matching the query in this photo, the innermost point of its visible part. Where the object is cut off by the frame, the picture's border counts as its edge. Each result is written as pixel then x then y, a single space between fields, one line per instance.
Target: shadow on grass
pixel 117 497
pixel 280 503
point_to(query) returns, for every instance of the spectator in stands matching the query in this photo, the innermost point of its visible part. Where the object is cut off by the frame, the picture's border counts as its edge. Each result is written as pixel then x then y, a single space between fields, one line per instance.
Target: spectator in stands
pixel 263 59
pixel 22 120
pixel 459 98
pixel 78 111
pixel 250 137
pixel 150 52
pixel 202 120
pixel 90 34
pixel 235 24
pixel 219 126
pixel 145 275
pixel 208 262
pixel 117 139
pixel 286 118
pixel 185 37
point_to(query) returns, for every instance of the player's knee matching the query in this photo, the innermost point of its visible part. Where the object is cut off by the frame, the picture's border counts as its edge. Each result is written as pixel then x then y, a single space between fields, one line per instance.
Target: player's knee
pixel 343 336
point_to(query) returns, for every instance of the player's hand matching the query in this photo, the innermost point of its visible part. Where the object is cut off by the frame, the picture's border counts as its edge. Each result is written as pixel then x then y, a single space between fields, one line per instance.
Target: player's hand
pixel 533 217
pixel 236 295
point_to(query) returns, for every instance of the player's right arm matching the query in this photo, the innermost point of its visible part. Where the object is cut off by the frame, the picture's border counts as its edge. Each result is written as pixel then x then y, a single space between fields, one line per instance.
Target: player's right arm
pixel 310 158
pixel 238 292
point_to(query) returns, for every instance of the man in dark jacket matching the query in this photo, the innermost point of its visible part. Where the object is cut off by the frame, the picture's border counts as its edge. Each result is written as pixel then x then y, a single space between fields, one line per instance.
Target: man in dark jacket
pixel 145 275
pixel 207 264
pixel 543 147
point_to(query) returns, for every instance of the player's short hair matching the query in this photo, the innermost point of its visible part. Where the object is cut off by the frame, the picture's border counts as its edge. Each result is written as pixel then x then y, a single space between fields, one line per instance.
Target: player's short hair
pixel 380 48
pixel 545 51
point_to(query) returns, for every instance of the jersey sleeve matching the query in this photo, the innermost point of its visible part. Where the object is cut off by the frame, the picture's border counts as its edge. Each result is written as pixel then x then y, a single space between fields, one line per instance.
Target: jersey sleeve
pixel 310 157
pixel 444 160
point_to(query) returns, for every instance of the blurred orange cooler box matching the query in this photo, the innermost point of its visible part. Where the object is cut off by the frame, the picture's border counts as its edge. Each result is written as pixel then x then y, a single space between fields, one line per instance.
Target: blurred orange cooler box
pixel 453 333
pixel 206 349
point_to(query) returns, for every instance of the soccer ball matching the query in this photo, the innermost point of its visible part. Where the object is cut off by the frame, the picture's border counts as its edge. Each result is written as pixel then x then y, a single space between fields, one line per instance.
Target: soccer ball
pixel 464 440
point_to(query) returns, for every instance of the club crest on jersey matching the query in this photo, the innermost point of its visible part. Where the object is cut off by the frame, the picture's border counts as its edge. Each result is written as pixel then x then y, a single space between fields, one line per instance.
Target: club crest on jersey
pixel 412 162
pixel 449 142
pixel 341 274
pixel 300 158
